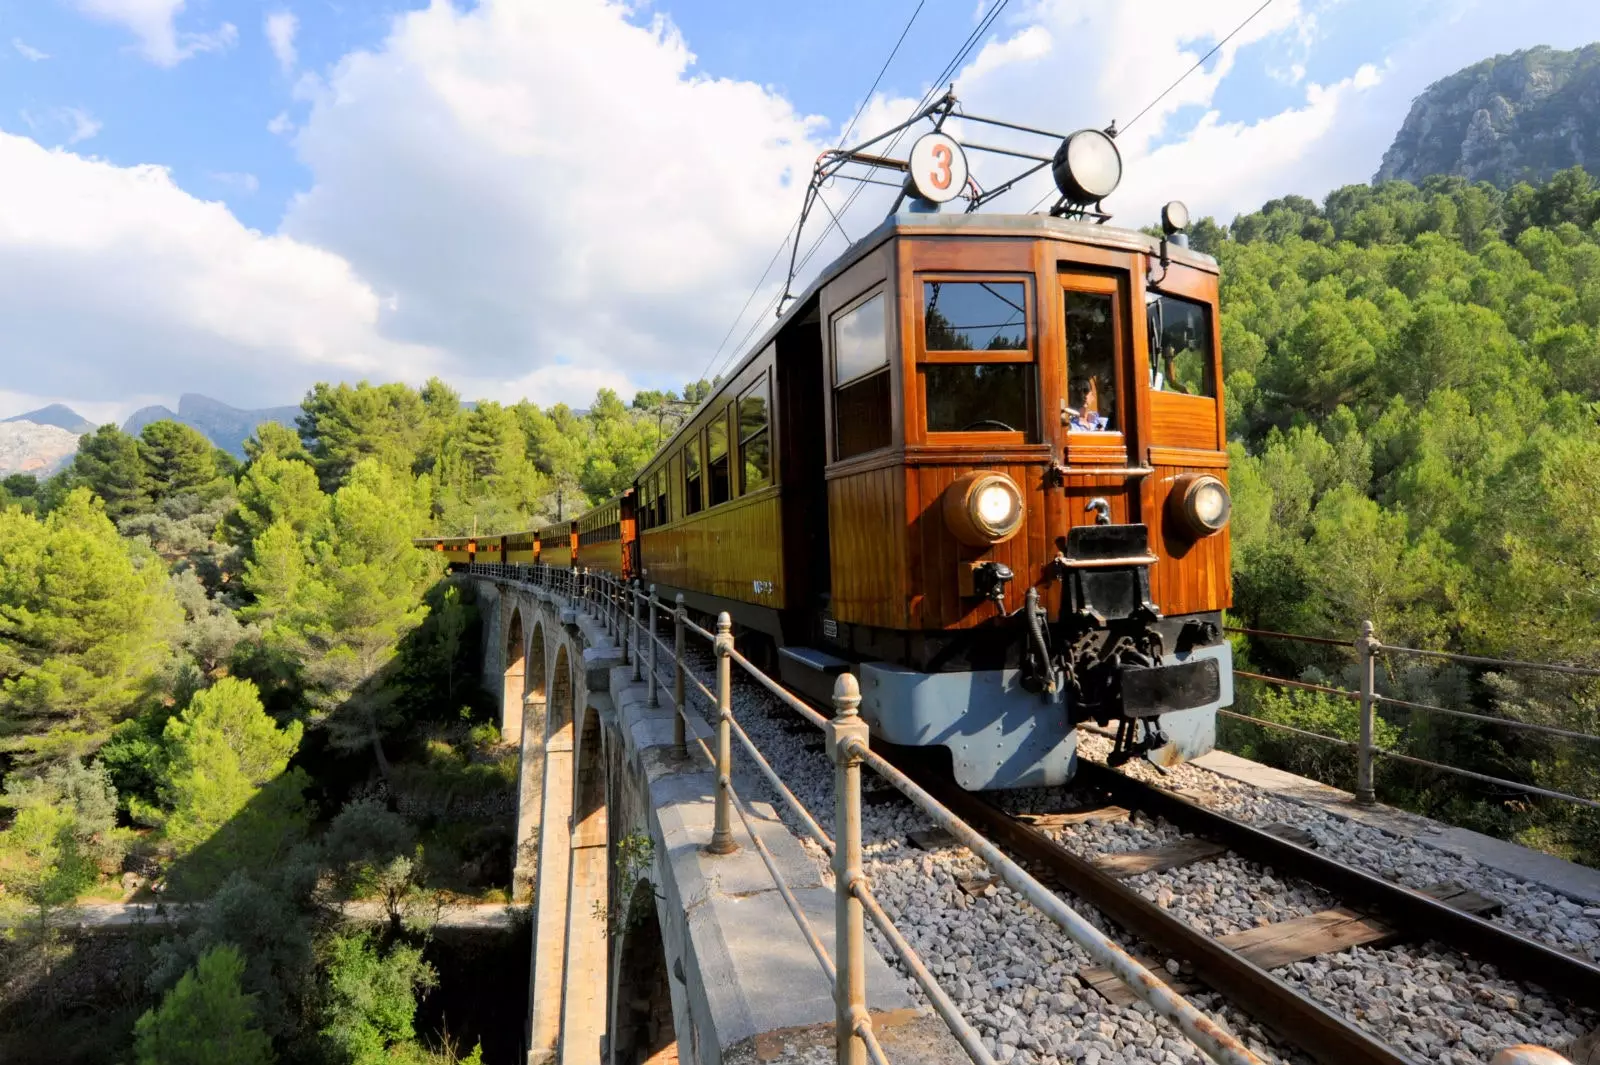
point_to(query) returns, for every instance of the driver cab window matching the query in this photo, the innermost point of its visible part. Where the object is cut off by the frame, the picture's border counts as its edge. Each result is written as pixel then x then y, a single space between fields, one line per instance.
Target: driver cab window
pixel 1180 346
pixel 1091 362
pixel 977 362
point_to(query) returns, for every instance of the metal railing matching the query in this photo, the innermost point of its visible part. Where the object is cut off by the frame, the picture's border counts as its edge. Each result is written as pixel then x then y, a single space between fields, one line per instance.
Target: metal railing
pixel 632 614
pixel 1369 650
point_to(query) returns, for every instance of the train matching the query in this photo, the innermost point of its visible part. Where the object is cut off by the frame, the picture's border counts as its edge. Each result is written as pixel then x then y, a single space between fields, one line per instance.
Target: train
pixel 981 463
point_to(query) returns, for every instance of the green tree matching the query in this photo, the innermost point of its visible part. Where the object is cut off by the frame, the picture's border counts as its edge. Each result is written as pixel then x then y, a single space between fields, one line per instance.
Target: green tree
pixel 277 439
pixel 274 489
pixel 108 462
pixel 227 787
pixel 177 459
pixel 342 426
pixel 370 997
pixel 207 1019
pixel 86 624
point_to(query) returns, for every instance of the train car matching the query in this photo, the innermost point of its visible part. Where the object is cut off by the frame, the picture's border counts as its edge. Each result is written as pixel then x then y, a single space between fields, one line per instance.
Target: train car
pixel 521 547
pixel 558 544
pixel 606 536
pixel 981 463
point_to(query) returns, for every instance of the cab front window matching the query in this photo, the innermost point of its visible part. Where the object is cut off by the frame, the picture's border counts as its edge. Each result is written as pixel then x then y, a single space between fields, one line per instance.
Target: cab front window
pixel 1180 346
pixel 977 368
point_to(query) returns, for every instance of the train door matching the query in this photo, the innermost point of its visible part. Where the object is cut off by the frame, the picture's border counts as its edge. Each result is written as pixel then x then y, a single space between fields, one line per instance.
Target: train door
pixel 1098 428
pixel 802 456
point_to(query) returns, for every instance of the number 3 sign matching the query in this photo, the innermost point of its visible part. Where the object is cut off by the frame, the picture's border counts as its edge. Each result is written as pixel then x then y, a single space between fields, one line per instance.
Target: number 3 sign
pixel 938 168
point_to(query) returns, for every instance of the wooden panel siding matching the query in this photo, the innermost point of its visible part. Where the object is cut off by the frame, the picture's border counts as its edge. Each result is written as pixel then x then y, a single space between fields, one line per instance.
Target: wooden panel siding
pixel 1184 421
pixel 867 547
pixel 723 551
pixel 1193 575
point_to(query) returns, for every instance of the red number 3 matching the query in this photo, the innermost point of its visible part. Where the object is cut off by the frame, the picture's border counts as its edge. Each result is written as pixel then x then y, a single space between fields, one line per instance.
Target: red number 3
pixel 940 178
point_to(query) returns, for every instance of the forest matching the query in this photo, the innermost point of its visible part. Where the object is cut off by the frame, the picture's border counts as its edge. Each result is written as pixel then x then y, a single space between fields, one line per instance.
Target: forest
pixel 237 686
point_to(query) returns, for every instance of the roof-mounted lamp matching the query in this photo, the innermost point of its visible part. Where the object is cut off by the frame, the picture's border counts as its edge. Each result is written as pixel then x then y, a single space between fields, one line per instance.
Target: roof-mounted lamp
pixel 1087 167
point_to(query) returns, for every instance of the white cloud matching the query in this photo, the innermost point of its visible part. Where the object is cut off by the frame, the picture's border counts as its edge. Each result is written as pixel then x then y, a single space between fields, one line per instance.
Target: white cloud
pixel 154 23
pixel 115 282
pixel 73 124
pixel 280 30
pixel 84 125
pixel 548 183
pixel 281 124
pixel 28 51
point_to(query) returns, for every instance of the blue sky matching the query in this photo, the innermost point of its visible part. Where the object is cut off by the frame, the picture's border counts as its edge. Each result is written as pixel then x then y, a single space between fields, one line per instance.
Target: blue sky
pixel 407 190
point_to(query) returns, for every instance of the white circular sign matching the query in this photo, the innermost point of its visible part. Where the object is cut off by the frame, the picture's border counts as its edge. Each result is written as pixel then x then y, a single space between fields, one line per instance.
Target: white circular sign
pixel 938 167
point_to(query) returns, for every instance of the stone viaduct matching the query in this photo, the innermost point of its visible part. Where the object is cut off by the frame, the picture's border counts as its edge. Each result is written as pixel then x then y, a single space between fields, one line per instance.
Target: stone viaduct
pixel 645 947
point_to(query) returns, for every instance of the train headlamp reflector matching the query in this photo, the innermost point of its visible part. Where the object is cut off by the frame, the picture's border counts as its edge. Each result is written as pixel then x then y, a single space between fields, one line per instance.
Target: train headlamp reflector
pixel 1202 503
pixel 983 508
pixel 1087 167
pixel 1175 217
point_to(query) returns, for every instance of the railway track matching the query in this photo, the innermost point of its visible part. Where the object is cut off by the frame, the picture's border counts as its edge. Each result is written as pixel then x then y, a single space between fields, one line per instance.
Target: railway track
pixel 1239 966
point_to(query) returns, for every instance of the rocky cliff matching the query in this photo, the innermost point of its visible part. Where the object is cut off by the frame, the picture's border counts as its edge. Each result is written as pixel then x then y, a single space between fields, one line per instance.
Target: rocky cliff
pixel 58 414
pixel 28 447
pixel 1517 117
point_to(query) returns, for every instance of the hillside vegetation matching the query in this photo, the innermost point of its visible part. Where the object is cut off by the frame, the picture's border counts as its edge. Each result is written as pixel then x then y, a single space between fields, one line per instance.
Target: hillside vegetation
pixel 1412 379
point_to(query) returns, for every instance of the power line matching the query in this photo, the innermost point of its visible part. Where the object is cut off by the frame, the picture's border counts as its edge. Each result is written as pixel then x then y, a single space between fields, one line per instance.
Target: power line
pixel 793 229
pixel 1198 64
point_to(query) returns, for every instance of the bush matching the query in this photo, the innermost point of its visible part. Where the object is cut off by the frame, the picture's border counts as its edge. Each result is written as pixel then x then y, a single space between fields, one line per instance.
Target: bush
pixel 207 1019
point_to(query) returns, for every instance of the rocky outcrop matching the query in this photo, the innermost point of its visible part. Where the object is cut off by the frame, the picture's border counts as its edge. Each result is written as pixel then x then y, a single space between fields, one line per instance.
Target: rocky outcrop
pixel 225 426
pixel 58 414
pixel 28 447
pixel 1517 117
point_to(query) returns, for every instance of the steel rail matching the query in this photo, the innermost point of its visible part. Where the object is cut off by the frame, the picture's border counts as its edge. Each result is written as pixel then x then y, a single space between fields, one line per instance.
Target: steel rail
pixel 1565 975
pixel 1320 1033
pixel 1215 1042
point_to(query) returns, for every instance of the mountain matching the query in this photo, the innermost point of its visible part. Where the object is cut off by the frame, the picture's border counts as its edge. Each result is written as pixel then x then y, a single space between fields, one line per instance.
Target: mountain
pixel 1517 117
pixel 57 414
pixel 225 426
pixel 29 447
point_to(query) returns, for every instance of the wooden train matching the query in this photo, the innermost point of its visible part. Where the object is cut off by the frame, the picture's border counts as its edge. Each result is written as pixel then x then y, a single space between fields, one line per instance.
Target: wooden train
pixel 981 463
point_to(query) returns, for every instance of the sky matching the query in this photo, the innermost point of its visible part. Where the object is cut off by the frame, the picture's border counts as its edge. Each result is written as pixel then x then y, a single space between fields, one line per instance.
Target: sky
pixel 540 198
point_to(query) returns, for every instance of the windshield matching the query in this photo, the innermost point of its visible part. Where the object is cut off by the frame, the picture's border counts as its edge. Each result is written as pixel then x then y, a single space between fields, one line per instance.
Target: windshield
pixel 1180 346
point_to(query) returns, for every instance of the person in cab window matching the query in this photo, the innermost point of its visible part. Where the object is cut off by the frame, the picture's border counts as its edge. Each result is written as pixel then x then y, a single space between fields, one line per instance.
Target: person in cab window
pixel 1085 409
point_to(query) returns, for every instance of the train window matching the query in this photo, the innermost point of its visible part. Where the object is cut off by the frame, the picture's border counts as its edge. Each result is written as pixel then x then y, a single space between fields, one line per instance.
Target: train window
pixel 755 449
pixel 663 515
pixel 719 473
pixel 974 316
pixel 994 397
pixel 691 476
pixel 860 341
pixel 1091 362
pixel 1180 346
pixel 862 414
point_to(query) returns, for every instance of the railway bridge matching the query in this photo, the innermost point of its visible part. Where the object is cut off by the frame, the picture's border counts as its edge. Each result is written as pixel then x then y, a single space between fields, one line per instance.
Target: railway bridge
pixel 674 920
pixel 647 945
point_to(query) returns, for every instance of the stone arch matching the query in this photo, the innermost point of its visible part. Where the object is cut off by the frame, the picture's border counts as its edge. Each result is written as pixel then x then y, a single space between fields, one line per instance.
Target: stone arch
pixel 583 998
pixel 515 679
pixel 555 860
pixel 641 1026
pixel 530 784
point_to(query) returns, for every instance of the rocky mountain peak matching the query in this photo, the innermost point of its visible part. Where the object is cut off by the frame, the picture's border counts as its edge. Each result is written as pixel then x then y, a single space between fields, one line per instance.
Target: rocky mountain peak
pixel 1517 117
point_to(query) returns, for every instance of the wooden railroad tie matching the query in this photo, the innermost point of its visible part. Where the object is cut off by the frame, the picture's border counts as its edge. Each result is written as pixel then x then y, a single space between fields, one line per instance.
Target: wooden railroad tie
pixel 1300 939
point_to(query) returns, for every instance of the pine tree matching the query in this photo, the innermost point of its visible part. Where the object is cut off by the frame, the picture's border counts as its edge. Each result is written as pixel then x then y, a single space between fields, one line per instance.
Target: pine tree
pixel 177 459
pixel 108 462
pixel 207 1019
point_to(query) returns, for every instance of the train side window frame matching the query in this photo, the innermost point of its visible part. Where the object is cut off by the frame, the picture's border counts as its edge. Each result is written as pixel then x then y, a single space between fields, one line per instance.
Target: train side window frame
pixel 869 434
pixel 693 453
pixel 759 390
pixel 719 468
pixel 1030 432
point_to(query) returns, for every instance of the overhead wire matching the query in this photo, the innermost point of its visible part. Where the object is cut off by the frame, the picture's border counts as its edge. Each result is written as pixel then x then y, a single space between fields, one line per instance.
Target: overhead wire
pixel 952 65
pixel 793 233
pixel 1163 94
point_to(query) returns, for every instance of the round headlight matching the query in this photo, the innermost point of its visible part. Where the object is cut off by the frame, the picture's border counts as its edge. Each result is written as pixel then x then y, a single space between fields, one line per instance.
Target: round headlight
pixel 1175 217
pixel 1087 167
pixel 983 508
pixel 1202 503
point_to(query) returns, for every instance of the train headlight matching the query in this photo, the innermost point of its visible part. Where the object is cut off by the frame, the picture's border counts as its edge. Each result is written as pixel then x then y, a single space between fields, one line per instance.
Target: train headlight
pixel 1087 166
pixel 1202 503
pixel 983 508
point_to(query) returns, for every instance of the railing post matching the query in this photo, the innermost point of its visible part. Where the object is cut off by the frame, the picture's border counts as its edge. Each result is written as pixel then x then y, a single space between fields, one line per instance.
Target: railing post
pixel 655 694
pixel 633 629
pixel 1366 655
pixel 679 736
pixel 722 827
pixel 847 738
